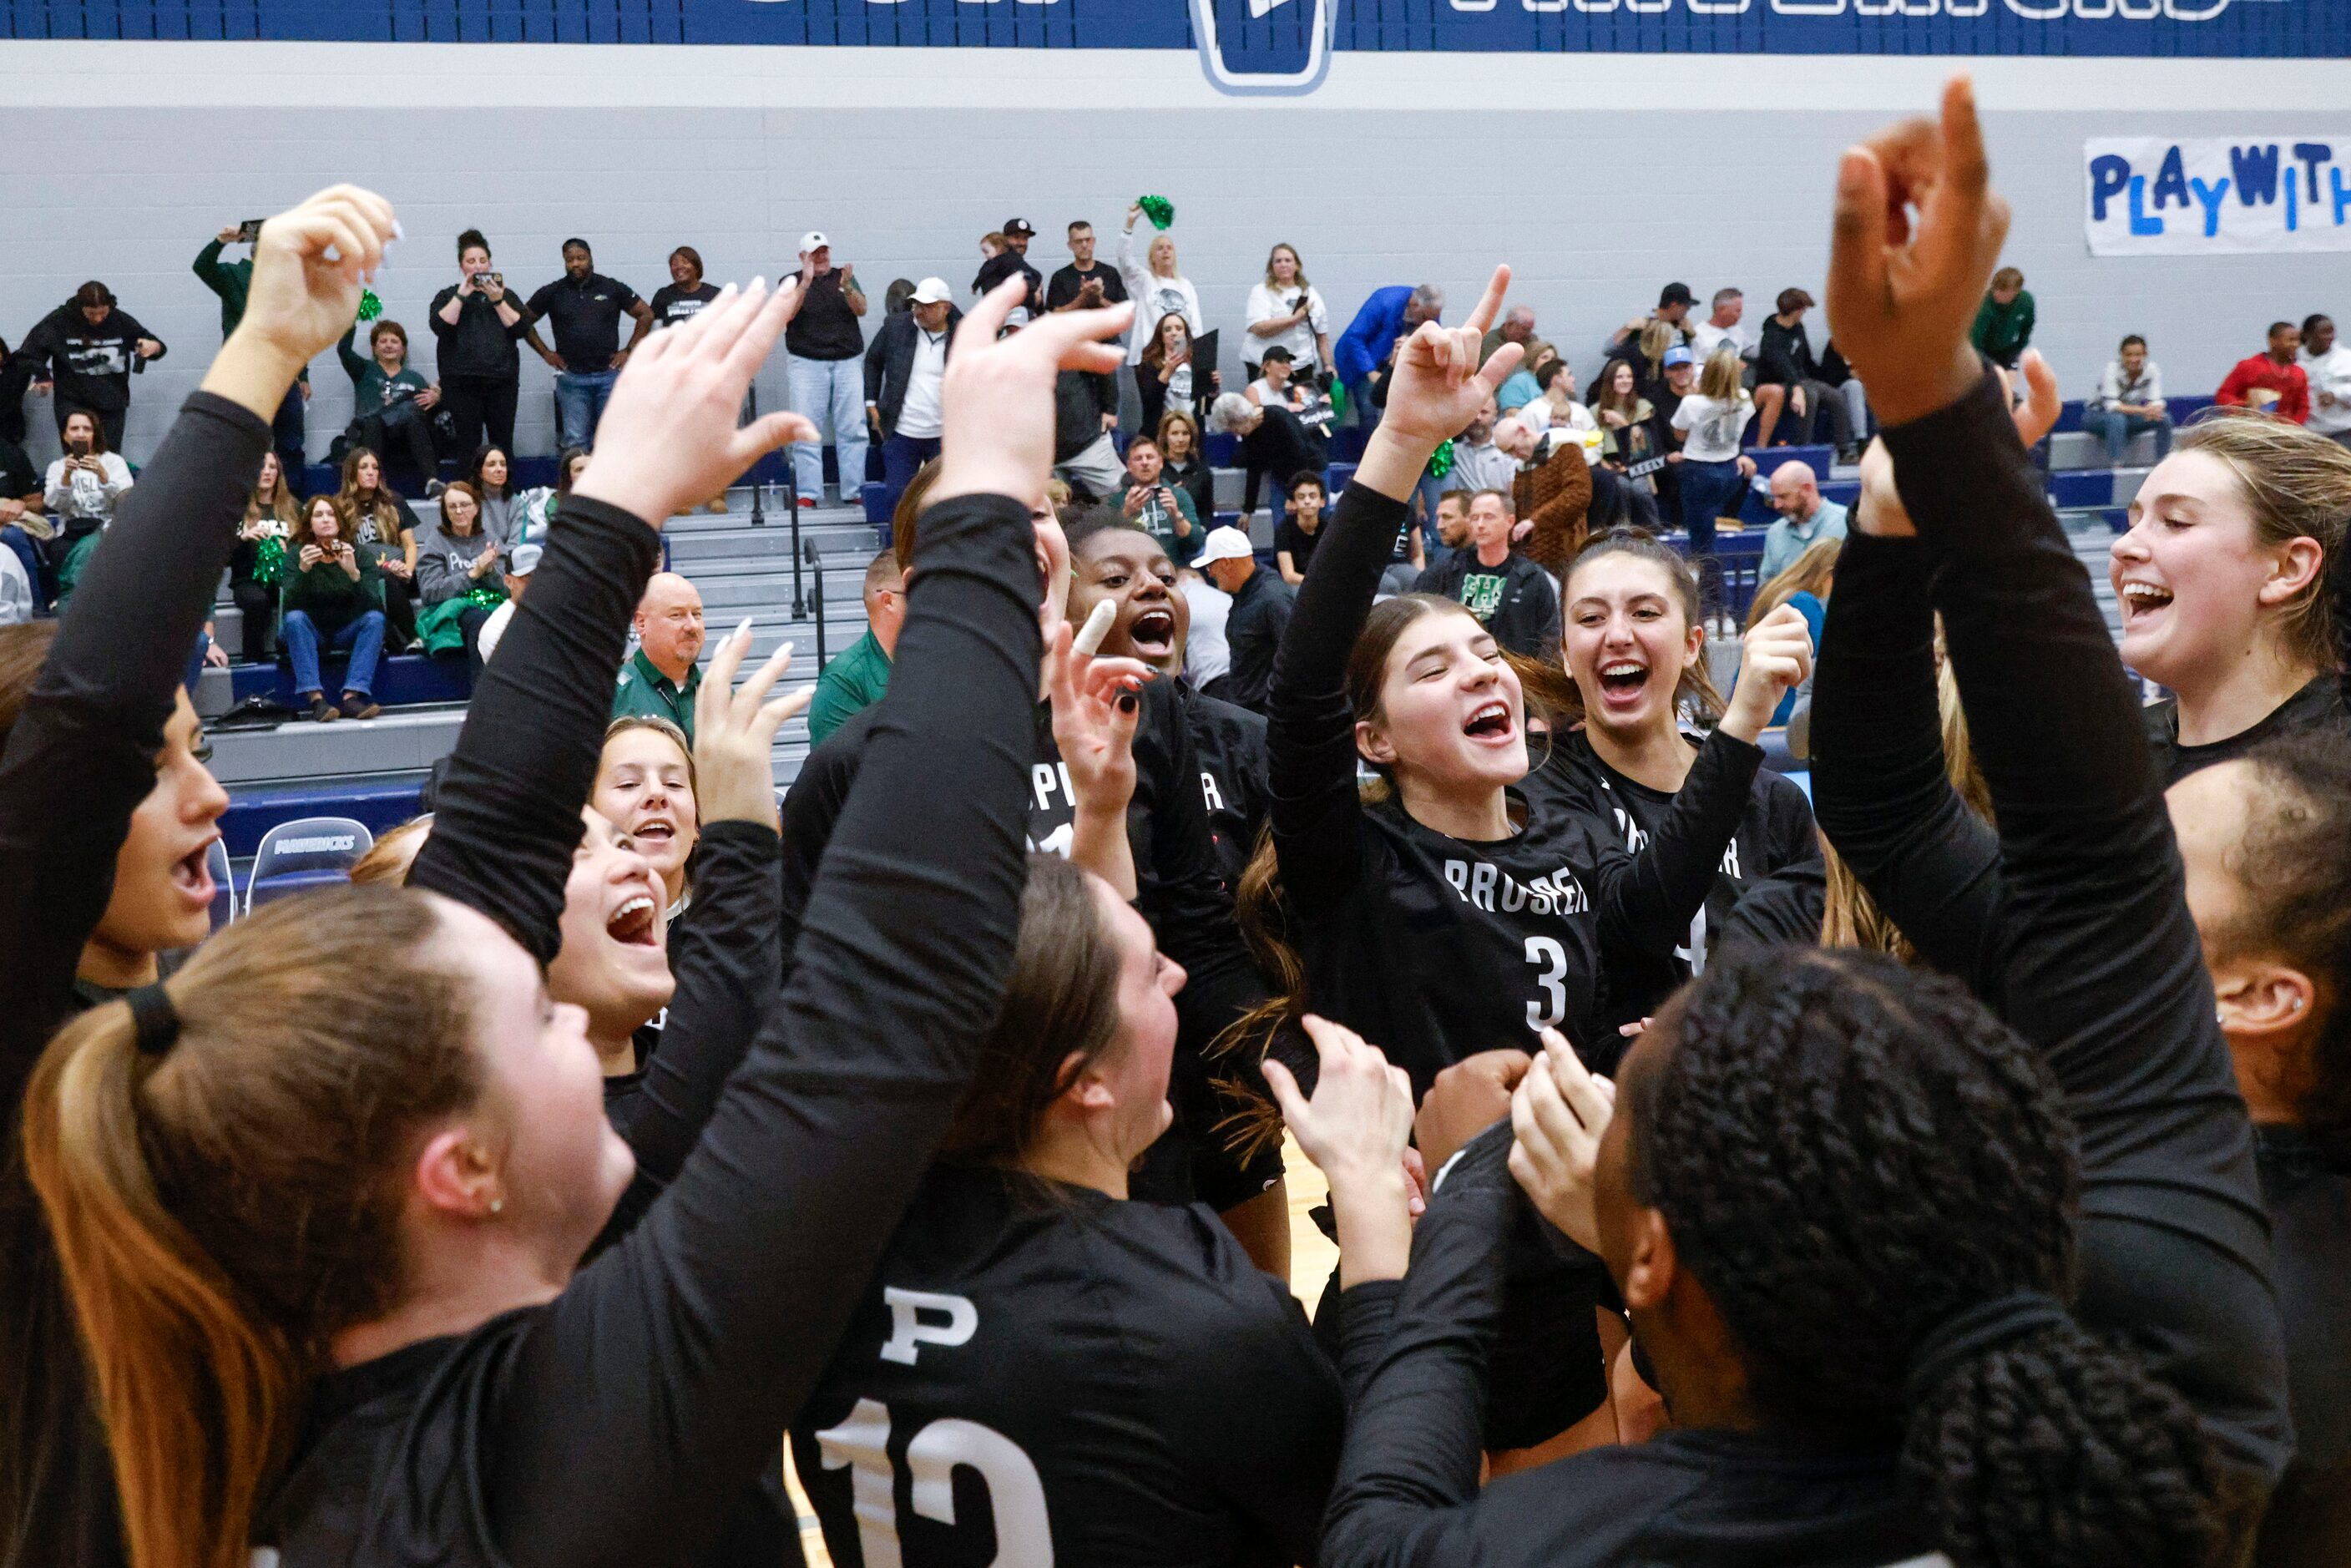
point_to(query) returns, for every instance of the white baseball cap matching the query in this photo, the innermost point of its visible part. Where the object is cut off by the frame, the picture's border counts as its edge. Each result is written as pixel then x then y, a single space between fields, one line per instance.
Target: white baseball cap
pixel 1224 544
pixel 933 291
pixel 813 240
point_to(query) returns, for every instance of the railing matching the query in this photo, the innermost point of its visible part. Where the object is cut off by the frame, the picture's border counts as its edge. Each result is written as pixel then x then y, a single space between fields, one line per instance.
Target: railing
pixel 816 568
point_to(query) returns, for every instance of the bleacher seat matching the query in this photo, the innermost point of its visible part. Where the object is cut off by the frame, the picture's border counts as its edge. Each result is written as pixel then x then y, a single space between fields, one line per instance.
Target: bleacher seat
pixel 1768 458
pixel 224 883
pixel 400 680
pixel 305 854
pixel 378 805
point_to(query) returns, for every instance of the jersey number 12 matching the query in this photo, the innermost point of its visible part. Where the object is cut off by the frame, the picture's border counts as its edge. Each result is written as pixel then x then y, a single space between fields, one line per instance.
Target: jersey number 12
pixel 861 1443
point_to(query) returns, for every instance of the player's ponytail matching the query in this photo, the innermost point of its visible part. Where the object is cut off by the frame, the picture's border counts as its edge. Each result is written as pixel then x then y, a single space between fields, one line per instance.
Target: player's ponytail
pixel 218 1158
pixel 1873 1179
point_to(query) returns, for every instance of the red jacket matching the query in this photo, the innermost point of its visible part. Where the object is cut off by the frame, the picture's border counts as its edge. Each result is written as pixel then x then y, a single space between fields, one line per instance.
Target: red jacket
pixel 2261 372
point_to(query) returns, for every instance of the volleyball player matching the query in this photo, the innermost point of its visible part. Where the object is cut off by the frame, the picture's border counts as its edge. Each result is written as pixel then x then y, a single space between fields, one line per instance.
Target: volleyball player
pixel 1061 1374
pixel 2224 583
pixel 422 1089
pixel 645 786
pixel 1635 653
pixel 1112 561
pixel 1180 893
pixel 108 813
pixel 1834 1190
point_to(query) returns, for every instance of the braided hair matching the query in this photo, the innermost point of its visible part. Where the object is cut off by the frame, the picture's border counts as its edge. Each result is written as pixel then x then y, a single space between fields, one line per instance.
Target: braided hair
pixel 1849 1154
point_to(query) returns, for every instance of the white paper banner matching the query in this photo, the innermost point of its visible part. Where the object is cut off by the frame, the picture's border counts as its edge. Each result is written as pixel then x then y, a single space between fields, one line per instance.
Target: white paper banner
pixel 2148 195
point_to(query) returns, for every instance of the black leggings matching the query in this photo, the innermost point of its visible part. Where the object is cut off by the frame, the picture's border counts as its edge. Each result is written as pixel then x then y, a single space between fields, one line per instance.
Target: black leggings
pixel 474 402
pixel 412 435
pixel 258 605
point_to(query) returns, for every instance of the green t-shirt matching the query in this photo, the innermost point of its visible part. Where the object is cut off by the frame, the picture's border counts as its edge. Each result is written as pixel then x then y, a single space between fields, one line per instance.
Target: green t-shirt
pixel 643 691
pixel 371 390
pixel 850 683
pixel 232 282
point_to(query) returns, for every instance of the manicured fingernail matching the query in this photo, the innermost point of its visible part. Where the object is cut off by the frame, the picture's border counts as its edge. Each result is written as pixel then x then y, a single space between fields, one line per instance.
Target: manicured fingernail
pixel 397 232
pixel 760 281
pixel 744 631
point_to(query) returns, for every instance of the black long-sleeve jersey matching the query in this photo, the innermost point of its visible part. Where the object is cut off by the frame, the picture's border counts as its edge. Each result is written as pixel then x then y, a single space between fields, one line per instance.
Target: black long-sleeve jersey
pixel 1775 845
pixel 1229 743
pixel 81 758
pixel 1042 1373
pixel 1432 947
pixel 1179 890
pixel 2307 1184
pixel 2319 702
pixel 2095 960
pixel 617 1421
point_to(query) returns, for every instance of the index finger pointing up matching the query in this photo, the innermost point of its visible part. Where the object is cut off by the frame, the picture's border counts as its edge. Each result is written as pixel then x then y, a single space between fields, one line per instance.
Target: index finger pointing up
pixel 1489 305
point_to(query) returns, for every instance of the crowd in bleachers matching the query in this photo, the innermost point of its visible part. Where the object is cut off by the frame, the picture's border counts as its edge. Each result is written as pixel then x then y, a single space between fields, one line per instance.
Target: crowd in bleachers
pixel 1946 1162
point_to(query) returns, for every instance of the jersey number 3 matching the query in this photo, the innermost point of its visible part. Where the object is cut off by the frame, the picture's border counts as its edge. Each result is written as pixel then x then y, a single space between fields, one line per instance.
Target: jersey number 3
pixel 1551 976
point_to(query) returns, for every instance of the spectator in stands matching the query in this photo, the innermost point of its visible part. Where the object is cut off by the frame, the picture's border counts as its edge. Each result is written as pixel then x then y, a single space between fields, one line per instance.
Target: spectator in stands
pixel 1370 340
pixel 1301 526
pixel 2270 382
pixel 457 577
pixel 1085 412
pixel 1516 326
pixel 15 378
pixel 493 480
pixel 1722 327
pixel 583 308
pixel 1185 461
pixel 1164 376
pixel 1012 261
pixel 1511 597
pixel 682 298
pixel 17 596
pixel 84 352
pixel 2129 400
pixel 257 567
pixel 1804 518
pixel 1158 288
pixel 391 404
pixel 1624 415
pixel 84 485
pixel 380 523
pixel 826 369
pixel 1148 502
pixel 1274 443
pixel 856 679
pixel 1813 407
pixel 2327 365
pixel 1085 284
pixel 1207 656
pixel 1556 413
pixel 1803 584
pixel 991 246
pixel 1713 468
pixel 1837 374
pixel 515 566
pixel 1274 387
pixel 1674 302
pixel 475 323
pixel 1551 493
pixel 533 511
pixel 2003 328
pixel 903 367
pixel 1285 311
pixel 1453 520
pixel 1254 625
pixel 660 678
pixel 24 525
pixel 233 281
pixel 333 600
pixel 1477 463
pixel 1522 387
pixel 646 788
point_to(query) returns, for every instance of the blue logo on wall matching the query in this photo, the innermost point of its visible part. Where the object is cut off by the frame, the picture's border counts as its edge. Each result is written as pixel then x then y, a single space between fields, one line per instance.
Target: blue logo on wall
pixel 1261 47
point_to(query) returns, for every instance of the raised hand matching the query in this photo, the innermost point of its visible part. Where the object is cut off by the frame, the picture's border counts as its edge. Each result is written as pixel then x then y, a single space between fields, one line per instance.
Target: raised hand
pixel 668 439
pixel 1902 294
pixel 995 401
pixel 734 732
pixel 1559 1113
pixel 1096 705
pixel 1354 1129
pixel 1776 655
pixel 308 266
pixel 1880 511
pixel 1435 390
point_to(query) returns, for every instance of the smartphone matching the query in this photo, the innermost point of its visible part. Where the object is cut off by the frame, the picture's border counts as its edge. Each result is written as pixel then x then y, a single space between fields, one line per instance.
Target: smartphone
pixel 489 280
pixel 248 231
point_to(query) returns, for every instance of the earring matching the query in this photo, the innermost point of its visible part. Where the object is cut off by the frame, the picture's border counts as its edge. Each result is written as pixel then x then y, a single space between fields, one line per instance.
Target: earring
pixel 496 1205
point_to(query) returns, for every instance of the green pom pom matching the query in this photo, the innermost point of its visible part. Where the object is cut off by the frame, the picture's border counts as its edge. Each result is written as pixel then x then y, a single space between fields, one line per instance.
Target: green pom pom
pixel 370 306
pixel 269 560
pixel 1440 462
pixel 1159 209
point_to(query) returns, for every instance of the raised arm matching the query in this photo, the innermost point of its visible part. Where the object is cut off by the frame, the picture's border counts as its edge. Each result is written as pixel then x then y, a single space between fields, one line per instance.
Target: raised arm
pixel 1311 735
pixel 2097 961
pixel 726 1302
pixel 82 754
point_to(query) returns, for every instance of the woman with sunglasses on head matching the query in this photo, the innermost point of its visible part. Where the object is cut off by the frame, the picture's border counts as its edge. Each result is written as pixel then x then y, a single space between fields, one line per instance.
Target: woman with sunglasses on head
pixel 454 1364
pixel 106 806
pixel 1844 1204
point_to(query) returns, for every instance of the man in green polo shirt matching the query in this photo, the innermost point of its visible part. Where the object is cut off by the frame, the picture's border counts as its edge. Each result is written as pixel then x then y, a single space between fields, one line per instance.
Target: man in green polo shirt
pixel 858 678
pixel 660 679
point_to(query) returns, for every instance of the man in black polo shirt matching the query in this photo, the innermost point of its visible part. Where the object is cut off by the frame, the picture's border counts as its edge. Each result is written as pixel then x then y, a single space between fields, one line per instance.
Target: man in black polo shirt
pixel 1085 284
pixel 827 373
pixel 585 309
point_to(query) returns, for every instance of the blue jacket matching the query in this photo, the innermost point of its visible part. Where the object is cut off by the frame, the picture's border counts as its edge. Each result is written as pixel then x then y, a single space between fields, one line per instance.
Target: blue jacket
pixel 1373 333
